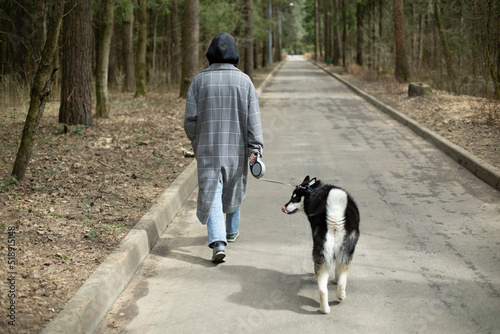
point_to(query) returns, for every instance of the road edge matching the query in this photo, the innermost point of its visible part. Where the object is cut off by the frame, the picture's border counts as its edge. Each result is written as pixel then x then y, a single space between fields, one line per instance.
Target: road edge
pixel 477 166
pixel 88 306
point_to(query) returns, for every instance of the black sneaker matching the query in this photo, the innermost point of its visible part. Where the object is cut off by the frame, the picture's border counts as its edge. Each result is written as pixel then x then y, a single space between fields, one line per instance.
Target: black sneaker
pixel 219 253
pixel 232 237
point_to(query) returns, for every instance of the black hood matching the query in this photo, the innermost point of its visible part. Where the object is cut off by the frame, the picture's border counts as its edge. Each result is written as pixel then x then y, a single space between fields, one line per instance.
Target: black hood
pixel 223 50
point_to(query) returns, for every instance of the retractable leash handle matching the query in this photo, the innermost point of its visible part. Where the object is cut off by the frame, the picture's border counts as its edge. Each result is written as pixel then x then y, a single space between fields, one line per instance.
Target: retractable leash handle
pixel 258 169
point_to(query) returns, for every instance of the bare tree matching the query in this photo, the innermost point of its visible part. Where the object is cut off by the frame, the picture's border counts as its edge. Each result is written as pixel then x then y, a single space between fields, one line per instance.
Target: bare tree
pixel 40 89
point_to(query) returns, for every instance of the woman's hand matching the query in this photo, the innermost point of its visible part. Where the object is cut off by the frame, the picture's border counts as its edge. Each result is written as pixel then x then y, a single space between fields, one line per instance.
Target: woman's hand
pixel 252 158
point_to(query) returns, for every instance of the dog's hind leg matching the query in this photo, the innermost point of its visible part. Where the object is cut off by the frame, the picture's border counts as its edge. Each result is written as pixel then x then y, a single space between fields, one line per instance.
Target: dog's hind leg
pixel 337 273
pixel 321 272
pixel 341 271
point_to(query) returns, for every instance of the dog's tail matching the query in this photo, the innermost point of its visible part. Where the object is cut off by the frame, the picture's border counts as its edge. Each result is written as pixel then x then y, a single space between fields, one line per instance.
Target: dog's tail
pixel 336 204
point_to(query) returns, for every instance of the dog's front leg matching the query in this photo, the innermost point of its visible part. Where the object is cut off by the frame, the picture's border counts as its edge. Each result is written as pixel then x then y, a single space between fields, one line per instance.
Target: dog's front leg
pixel 321 272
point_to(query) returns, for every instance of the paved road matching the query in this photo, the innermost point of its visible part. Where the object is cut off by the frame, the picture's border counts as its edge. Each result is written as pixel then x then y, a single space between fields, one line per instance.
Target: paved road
pixel 428 257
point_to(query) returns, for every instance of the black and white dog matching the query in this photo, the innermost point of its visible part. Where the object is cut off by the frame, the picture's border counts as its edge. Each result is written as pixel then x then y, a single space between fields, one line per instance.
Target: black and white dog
pixel 334 219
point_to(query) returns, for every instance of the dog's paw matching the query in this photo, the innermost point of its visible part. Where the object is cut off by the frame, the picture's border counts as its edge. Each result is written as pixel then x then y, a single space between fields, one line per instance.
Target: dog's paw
pixel 341 294
pixel 325 309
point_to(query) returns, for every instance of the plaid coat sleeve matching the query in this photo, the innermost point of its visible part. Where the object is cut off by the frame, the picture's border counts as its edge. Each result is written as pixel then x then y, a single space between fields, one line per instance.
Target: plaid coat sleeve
pixel 222 120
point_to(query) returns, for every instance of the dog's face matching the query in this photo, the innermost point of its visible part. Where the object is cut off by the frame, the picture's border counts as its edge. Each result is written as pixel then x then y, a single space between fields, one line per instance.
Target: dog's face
pixel 295 203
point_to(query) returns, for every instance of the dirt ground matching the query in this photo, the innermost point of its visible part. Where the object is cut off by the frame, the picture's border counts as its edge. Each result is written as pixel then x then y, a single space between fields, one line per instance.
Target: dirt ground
pixel 469 122
pixel 85 189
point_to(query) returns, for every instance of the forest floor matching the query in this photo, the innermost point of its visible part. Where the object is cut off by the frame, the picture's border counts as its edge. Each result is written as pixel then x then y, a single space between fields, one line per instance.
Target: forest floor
pixel 472 123
pixel 85 189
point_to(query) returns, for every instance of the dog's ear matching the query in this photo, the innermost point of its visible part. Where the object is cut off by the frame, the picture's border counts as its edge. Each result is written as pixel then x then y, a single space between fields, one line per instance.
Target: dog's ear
pixel 312 182
pixel 306 180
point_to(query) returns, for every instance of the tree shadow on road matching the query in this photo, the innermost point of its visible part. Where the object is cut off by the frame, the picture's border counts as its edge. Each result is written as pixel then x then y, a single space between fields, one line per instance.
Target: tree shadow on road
pixel 181 249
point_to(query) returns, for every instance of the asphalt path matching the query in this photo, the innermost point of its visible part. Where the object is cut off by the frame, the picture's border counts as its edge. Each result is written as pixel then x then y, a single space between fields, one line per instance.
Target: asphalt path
pixel 427 260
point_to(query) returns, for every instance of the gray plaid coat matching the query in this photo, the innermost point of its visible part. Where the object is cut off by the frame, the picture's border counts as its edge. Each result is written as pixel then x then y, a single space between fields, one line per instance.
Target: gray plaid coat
pixel 222 120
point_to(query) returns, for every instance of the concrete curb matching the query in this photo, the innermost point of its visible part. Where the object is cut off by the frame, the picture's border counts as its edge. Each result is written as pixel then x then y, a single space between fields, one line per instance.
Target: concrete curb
pixel 85 310
pixel 483 170
pixel 267 81
pixel 88 306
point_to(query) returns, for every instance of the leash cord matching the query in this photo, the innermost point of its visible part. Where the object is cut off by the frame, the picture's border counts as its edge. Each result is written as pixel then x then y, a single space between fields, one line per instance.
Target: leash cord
pixel 277 182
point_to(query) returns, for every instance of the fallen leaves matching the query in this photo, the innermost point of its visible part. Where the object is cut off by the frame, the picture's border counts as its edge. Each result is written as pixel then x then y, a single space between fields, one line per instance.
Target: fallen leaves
pixel 83 192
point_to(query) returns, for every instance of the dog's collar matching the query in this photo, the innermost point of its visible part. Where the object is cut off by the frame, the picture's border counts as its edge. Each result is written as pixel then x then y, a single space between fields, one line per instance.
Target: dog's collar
pixel 308 189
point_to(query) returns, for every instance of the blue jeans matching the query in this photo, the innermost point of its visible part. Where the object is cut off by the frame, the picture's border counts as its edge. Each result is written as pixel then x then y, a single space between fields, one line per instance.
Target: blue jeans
pixel 217 227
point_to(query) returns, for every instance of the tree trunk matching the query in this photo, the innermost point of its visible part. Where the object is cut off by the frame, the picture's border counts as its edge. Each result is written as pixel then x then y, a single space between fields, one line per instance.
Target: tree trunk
pixel 115 50
pixel 249 39
pixel 379 60
pixel 359 33
pixel 140 60
pixel 326 32
pixel 336 35
pixel 152 71
pixel 40 89
pixel 39 32
pixel 344 33
pixel 276 32
pixel 265 53
pixel 106 13
pixel 190 37
pixel 128 49
pixel 174 62
pixel 401 72
pixel 256 52
pixel 497 83
pixel 76 87
pixel 371 38
pixel 19 39
pixel 446 48
pixel 316 31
